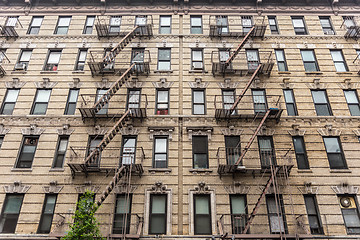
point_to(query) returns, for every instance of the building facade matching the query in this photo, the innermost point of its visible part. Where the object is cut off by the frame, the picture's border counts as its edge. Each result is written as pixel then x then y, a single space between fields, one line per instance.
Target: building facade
pixel 188 119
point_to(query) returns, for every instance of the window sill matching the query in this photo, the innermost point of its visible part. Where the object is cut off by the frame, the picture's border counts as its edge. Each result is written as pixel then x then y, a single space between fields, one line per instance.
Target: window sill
pixel 48 72
pixel 165 170
pixel 78 72
pixel 56 170
pixel 163 71
pixel 200 170
pixel 18 72
pixel 314 73
pixel 344 73
pixel 340 171
pixel 284 72
pixel 21 169
pixel 198 71
pixel 304 171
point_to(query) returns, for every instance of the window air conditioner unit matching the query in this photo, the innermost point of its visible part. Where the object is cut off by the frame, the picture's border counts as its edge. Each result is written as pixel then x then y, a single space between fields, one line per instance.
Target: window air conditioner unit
pixel 20 66
pixel 197 65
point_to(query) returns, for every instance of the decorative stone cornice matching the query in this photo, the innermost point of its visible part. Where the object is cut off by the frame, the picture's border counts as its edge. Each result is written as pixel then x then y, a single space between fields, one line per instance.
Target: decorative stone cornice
pixel 3 130
pixel 199 131
pixel 231 131
pixel 16 187
pixel 87 187
pixel 316 84
pixel 158 188
pixel 134 83
pixel 348 84
pixel 286 84
pixel 75 83
pixel 296 131
pixel 32 130
pixel 257 84
pixel 202 188
pixel 124 187
pixel 227 84
pixel 308 188
pixel 329 131
pixel 97 130
pixel 103 84
pixel 162 83
pixel 45 83
pixel 270 190
pixel 237 188
pixel 198 83
pixel 345 189
pixel 52 188
pixel 15 83
pixel 161 131
pixel 129 130
pixel 65 130
pixel 265 131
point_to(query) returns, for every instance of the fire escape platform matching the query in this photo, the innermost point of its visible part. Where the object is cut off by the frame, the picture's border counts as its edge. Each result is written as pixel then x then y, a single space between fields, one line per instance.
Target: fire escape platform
pixel 8 32
pixel 234 169
pixel 2 71
pixel 268 236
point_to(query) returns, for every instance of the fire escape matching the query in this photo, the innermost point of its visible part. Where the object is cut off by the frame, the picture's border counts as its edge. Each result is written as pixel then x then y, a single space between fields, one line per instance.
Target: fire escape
pixel 3 60
pixel 8 29
pixel 102 158
pixel 352 31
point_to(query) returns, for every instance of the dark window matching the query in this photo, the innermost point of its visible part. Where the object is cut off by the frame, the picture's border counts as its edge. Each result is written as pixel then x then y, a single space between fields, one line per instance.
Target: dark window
pixel 128 150
pixel 162 102
pixel 327 26
pixel 35 25
pixel 47 213
pixel 222 24
pixel 247 23
pixel 274 29
pixel 10 212
pixel 52 61
pixel 8 105
pixel 259 99
pixel 281 61
pixel 60 152
pixel 165 25
pixel 197 61
pixel 313 214
pixel 157 215
pixel 93 142
pixel 232 149
pixel 198 99
pixel 339 61
pixel 62 26
pixel 114 26
pixel 200 152
pixel 27 152
pixel 352 100
pixel 350 214
pixel 71 101
pixel 196 24
pixel 41 102
pixel 24 59
pixel 89 23
pixel 81 60
pixel 277 222
pixel 299 25
pixel 300 152
pixel 122 215
pixel 228 99
pixel 252 56
pixel 160 152
pixel 202 214
pixel 164 59
pixel 1 140
pixel 335 153
pixel 266 151
pixel 309 60
pixel 238 213
pixel 99 93
pixel 3 57
pixel 290 102
pixel 321 102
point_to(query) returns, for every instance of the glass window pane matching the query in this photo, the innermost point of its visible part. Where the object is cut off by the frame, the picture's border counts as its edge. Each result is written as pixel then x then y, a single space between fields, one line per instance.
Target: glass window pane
pixel 310 205
pixel 340 67
pixel 252 55
pixel 308 55
pixel 332 145
pixel 279 55
pixel 160 145
pixel 319 96
pixel 298 145
pixel 351 97
pixel 82 55
pixel 238 205
pixel 115 21
pixel 351 217
pixel 164 66
pixel 202 204
pixel 199 109
pixel 122 204
pixel 36 21
pixel 200 160
pixel 158 204
pixel 12 95
pixel 165 20
pixel 298 22
pixel 164 54
pixel 322 110
pixel 54 57
pixel 90 21
pixel 162 96
pixel 246 21
pixel 336 55
pixel 288 96
pixel 197 30
pixel 73 95
pixel 310 67
pixel 195 21
pixel 13 204
pixel 64 21
pixel 196 55
pixel 141 21
pixel 202 224
pixel 354 110
pixel 11 21
pixel 158 224
pixel 63 145
pixel 199 97
pixel 25 56
pixel 50 204
pixel 265 144
pixel 43 95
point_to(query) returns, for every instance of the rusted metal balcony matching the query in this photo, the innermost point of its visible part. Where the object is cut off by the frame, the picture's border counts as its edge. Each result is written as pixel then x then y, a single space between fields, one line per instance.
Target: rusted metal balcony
pixel 236 26
pixel 244 64
pixel 251 106
pixel 257 159
pixel 123 61
pixel 127 227
pixel 109 160
pixel 116 107
pixel 120 26
pixel 351 27
pixel 357 63
pixel 3 61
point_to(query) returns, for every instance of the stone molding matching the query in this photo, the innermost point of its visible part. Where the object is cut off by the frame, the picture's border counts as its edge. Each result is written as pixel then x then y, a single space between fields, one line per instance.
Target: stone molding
pixel 228 84
pixel 296 131
pixel 75 83
pixel 270 190
pixel 199 131
pixel 158 188
pixel 265 131
pixel 201 188
pixel 32 130
pixel 15 83
pixel 65 130
pixel 45 83
pixel 124 187
pixel 129 130
pixel 52 187
pixel 162 83
pixel 237 188
pixel 198 83
pixel 16 187
pixel 348 84
pixel 87 187
pixel 316 84
pixel 345 189
pixel 134 83
pixel 286 84
pixel 329 131
pixel 258 84
pixel 308 188
pixel 231 131
pixel 161 131
pixel 3 130
pixel 103 84
pixel 97 130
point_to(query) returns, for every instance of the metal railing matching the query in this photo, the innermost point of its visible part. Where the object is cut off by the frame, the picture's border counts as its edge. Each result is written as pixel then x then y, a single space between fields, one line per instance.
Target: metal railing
pixel 4 60
pixel 351 26
pixel 8 28
pixel 232 223
pixel 127 224
pixel 356 62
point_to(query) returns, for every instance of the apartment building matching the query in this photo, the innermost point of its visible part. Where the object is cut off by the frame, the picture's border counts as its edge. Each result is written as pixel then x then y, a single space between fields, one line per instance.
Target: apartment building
pixel 188 119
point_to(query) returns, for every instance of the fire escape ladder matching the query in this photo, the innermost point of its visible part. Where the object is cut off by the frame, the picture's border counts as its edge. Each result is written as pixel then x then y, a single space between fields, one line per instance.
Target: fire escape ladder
pixel 113 89
pixel 110 56
pixel 258 203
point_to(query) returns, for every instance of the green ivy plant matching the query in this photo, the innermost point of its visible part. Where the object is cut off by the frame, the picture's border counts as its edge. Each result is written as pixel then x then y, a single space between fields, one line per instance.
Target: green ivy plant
pixel 85 225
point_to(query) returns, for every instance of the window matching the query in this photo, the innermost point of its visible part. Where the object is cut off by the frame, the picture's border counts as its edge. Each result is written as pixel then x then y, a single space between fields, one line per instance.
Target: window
pixel 24 60
pixel 122 215
pixel 89 23
pixel 1 140
pixel 327 26
pixel 299 25
pixel 11 21
pixel 232 149
pixel 157 215
pixel 3 55
pixel 313 214
pixel 300 152
pixel 99 93
pixel 277 223
pixel 41 102
pixel 266 151
pixel 162 102
pixel 47 213
pixel 114 26
pixel 196 25
pixel 71 101
pixel 238 213
pixel 228 99
pixel 350 213
pixel 165 25
pixel 290 102
pixel 27 152
pixel 93 142
pixel 35 25
pixel 202 215
pixel 134 98
pixel 222 24
pixel 62 26
pixel 281 61
pixel 10 212
pixel 200 152
pixel 335 153
pixel 164 59
pixel 349 21
pixel 160 152
pixel 198 99
pixel 352 100
pixel 60 152
pixel 8 105
pixel 128 150
pixel 339 61
pixel 197 59
pixel 247 23
pixel 141 22
pixel 252 56
pixel 321 103
pixel 137 56
pixel 274 29
pixel 309 60
pixel 53 60
pixel 81 58
pixel 259 99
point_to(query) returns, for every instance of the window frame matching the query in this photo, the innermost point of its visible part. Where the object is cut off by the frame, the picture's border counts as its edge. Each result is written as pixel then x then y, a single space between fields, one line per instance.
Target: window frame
pixel 272 31
pixel 31 27
pixel 68 102
pixel 90 148
pixel 161 26
pixel 236 217
pixel 104 109
pixel 35 103
pixel 4 103
pixel 43 213
pixel 193 28
pixel 5 216
pixel 343 62
pixel 322 104
pixel 158 110
pixel 300 155
pixel 128 96
pixel 209 214
pixel 204 138
pixel 197 61
pixel 264 162
pixel 165 61
pixel 52 67
pixel 56 31
pixel 220 27
pixel 87 26
pixel 342 213
pixel 78 61
pixel 327 30
pixel 315 62
pixel 60 153
pixel 199 104
pixel 352 104
pixel 282 212
pixel 305 30
pixel 1 140
pixel 158 214
pixel 155 153
pixel 292 104
pixel 278 62
pixel 113 27
pixel 19 161
pixel 129 154
pixel 341 154
pixel 122 215
pixel 26 63
pixel 317 215
pixel 265 103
